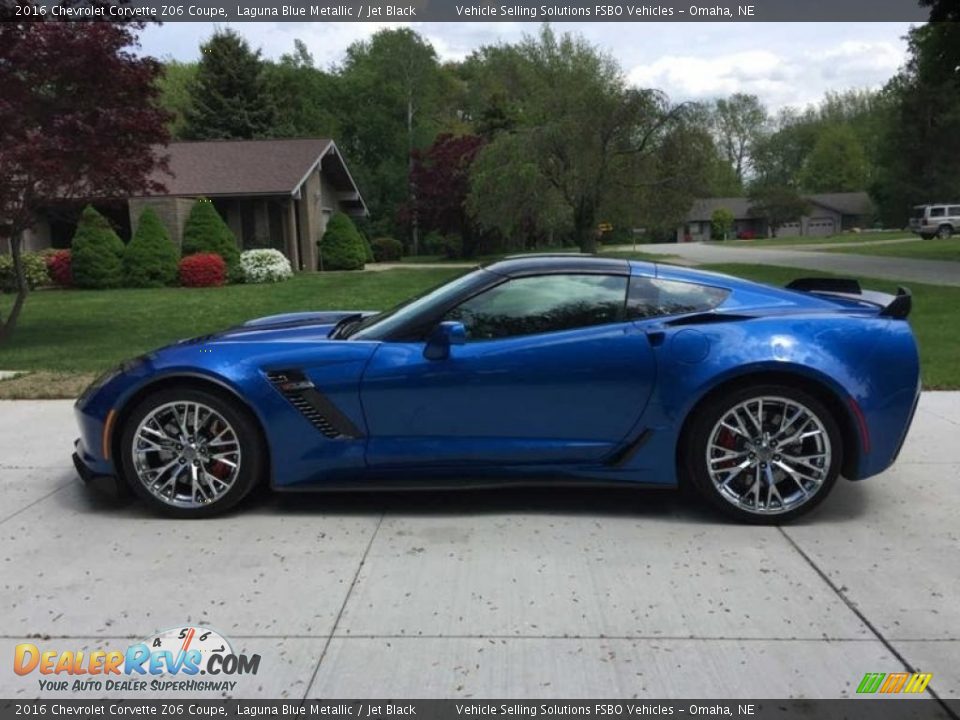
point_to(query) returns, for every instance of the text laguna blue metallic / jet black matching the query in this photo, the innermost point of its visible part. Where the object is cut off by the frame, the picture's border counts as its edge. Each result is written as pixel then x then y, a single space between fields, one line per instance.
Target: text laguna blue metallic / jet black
pixel 533 369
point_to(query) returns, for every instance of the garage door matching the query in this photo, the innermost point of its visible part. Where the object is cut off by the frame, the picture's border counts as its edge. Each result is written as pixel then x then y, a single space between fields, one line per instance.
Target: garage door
pixel 820 226
pixel 788 229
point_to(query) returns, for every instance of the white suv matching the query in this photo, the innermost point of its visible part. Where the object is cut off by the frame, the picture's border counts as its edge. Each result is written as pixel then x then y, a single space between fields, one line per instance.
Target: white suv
pixel 941 220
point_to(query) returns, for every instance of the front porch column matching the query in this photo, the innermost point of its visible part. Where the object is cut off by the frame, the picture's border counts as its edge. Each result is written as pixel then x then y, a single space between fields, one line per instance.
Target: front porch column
pixel 290 234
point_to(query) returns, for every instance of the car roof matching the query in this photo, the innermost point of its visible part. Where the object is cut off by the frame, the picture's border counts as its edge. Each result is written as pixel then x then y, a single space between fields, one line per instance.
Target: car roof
pixel 517 265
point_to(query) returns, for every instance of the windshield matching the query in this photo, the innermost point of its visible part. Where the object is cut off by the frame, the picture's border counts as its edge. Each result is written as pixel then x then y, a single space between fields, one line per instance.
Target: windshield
pixel 381 325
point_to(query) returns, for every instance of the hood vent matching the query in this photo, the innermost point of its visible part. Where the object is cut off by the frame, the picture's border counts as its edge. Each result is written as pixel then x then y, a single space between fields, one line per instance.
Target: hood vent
pixel 316 407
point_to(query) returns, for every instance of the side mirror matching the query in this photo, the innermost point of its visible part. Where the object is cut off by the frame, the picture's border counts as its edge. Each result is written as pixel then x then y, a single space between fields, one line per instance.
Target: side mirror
pixel 445 335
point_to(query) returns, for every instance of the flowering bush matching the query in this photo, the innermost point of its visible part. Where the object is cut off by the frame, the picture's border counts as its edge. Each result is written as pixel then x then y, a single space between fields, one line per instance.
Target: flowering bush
pixel 264 266
pixel 34 270
pixel 202 270
pixel 59 267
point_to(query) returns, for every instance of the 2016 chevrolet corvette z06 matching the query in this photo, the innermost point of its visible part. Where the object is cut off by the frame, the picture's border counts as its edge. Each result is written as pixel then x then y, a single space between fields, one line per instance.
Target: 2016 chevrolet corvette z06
pixel 534 369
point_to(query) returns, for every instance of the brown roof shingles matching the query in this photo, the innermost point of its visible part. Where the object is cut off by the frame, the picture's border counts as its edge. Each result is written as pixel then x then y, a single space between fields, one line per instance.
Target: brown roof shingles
pixel 239 167
pixel 849 203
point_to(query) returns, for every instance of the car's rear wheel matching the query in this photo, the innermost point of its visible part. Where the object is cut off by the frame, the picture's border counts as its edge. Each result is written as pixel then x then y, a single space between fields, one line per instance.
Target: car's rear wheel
pixel 944 232
pixel 190 453
pixel 763 454
pixel 926 236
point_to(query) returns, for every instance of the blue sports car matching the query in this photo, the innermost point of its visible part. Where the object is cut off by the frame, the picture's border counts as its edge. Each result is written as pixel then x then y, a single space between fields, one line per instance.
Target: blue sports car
pixel 534 369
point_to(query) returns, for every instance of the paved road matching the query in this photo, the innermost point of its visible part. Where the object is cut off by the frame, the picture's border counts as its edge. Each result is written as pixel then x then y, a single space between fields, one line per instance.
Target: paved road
pixel 891 268
pixel 496 594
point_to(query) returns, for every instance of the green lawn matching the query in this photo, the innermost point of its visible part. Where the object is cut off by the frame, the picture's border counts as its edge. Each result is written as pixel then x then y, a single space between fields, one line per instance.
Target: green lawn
pixel 70 334
pixel 637 255
pixel 934 318
pixel 841 239
pixel 484 259
pixel 88 330
pixel 948 250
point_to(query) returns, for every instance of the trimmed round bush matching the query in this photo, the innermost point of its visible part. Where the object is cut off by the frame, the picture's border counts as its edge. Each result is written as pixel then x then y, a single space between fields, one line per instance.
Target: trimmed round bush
pixel 202 270
pixel 342 246
pixel 387 249
pixel 96 258
pixel 150 259
pixel 34 270
pixel 264 266
pixel 206 232
pixel 58 267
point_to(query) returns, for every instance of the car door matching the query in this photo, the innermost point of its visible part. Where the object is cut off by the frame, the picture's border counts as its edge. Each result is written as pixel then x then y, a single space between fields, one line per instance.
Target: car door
pixel 551 372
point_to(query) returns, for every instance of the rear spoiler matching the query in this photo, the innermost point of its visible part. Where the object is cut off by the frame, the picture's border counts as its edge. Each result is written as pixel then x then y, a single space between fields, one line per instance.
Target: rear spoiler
pixel 893 306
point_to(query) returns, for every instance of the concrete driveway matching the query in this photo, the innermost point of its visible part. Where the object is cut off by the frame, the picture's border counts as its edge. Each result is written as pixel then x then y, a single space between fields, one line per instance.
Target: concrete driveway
pixel 889 268
pixel 552 593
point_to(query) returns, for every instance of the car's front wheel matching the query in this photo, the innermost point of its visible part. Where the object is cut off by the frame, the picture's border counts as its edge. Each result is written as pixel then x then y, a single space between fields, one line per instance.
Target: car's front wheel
pixel 189 452
pixel 763 454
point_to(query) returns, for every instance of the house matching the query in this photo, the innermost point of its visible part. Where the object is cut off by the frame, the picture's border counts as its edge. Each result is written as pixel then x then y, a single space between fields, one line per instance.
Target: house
pixel 828 213
pixel 272 193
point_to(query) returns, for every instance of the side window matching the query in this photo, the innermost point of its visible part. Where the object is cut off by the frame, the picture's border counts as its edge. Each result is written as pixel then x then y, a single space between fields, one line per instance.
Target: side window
pixel 653 297
pixel 540 304
pixel 936 212
pixel 953 210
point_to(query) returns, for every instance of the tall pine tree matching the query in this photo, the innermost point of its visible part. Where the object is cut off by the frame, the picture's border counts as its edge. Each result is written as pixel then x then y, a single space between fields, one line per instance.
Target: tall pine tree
pixel 229 98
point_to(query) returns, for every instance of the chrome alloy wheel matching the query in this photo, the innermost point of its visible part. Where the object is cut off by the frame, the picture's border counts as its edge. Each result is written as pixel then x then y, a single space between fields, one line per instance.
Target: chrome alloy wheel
pixel 768 455
pixel 186 454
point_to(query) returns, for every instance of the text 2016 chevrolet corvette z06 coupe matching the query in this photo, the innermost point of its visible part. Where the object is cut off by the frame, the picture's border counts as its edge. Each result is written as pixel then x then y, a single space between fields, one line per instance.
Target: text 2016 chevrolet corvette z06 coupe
pixel 549 369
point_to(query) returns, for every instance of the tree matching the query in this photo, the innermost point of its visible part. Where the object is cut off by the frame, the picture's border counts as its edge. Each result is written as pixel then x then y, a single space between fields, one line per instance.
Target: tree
pixel 150 259
pixel 96 253
pixel 306 98
pixel 522 206
pixel 228 98
pixel 778 204
pixel 738 122
pixel 67 131
pixel 591 147
pixel 721 222
pixel 837 162
pixel 918 153
pixel 778 157
pixel 174 84
pixel 391 86
pixel 206 232
pixel 441 175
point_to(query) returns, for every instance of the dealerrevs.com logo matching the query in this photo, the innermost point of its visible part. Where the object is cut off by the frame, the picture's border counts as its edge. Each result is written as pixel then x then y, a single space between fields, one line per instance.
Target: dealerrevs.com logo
pixel 172 660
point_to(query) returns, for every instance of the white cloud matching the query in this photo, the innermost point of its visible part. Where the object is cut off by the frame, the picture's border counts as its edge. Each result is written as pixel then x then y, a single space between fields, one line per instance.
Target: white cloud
pixel 778 77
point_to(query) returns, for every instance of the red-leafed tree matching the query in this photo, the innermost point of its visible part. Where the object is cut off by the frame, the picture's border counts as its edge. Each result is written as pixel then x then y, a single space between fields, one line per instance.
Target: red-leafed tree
pixel 441 176
pixel 78 119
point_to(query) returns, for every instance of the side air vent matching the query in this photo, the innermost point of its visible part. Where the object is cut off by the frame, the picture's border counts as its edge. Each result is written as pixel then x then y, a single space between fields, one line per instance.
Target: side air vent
pixel 313 404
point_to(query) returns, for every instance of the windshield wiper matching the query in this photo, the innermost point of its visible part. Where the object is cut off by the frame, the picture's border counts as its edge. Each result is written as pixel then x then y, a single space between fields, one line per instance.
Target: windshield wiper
pixel 342 324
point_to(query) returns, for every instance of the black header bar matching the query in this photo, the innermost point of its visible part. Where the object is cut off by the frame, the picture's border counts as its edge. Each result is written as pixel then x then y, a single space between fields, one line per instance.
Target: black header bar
pixel 612 11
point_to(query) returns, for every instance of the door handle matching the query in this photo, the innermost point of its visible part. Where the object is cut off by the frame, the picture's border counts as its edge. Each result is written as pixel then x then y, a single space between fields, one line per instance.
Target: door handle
pixel 656 338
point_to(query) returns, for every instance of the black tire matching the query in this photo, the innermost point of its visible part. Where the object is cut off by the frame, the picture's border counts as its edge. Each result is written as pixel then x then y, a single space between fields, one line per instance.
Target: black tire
pixel 693 458
pixel 944 232
pixel 252 464
pixel 926 236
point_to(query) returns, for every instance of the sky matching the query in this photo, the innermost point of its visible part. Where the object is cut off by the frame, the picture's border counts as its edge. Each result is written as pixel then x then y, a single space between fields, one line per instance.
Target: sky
pixel 784 64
